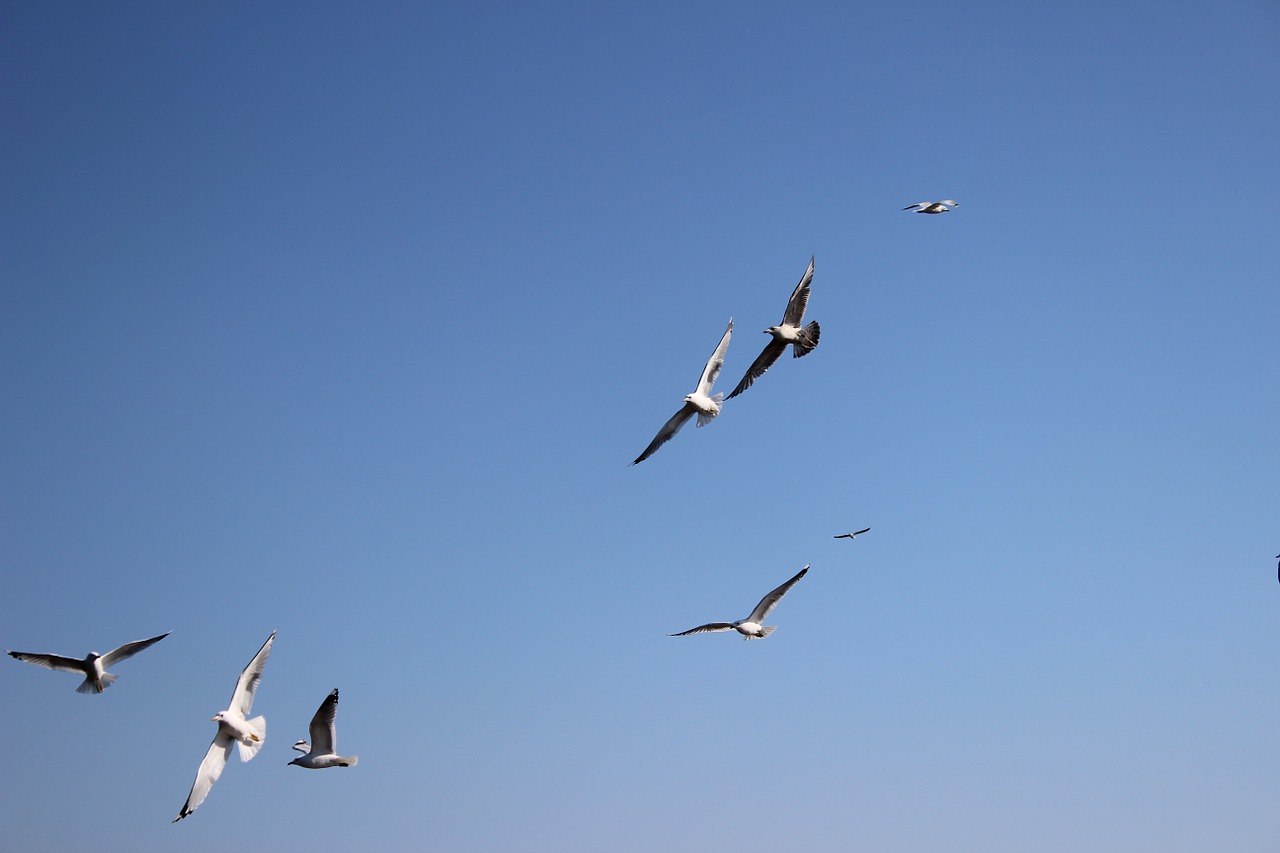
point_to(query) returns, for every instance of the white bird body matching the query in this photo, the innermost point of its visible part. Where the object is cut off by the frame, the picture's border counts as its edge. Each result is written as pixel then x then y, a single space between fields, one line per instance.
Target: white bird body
pixel 233 728
pixel 322 751
pixel 700 402
pixel 93 667
pixel 933 206
pixel 751 628
pixel 802 339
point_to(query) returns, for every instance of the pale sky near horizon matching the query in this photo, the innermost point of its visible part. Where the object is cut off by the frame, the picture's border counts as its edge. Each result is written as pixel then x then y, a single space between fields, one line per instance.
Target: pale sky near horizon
pixel 345 320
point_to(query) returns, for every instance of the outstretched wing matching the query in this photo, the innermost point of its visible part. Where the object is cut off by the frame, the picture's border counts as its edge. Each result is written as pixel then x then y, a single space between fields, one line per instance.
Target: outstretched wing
pixel 771 600
pixel 799 299
pixel 324 739
pixel 712 370
pixel 210 769
pixel 670 428
pixel 57 662
pixel 242 698
pixel 772 351
pixel 920 205
pixel 705 629
pixel 128 650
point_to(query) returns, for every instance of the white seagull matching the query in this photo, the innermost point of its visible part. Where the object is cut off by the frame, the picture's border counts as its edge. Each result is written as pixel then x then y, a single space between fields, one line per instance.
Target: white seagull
pixel 750 628
pixel 699 402
pixel 93 667
pixel 233 728
pixel 933 206
pixel 322 751
pixel 853 535
pixel 789 331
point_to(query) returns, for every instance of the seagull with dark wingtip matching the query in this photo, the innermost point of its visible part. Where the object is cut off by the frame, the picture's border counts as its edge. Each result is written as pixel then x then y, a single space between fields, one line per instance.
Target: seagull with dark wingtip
pixel 853 535
pixel 933 206
pixel 699 403
pixel 803 339
pixel 750 628
pixel 93 667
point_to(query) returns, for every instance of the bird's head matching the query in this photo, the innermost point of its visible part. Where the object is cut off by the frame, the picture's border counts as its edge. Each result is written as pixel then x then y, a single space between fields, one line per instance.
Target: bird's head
pixel 219 717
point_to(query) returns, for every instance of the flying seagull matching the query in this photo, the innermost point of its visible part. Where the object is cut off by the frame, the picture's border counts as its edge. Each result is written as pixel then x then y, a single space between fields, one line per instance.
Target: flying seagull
pixel 750 628
pixel 933 206
pixel 853 535
pixel 322 751
pixel 93 667
pixel 1277 574
pixel 803 340
pixel 699 402
pixel 233 728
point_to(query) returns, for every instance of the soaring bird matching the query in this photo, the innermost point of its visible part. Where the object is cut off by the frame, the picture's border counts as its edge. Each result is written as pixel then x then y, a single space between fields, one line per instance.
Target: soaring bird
pixel 933 206
pixel 750 628
pixel 322 751
pixel 803 340
pixel 233 728
pixel 93 667
pixel 699 402
pixel 1277 574
pixel 853 535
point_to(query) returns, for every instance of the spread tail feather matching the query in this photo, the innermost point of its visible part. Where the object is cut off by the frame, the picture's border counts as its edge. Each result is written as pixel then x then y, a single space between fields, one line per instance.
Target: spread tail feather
pixel 765 630
pixel 349 761
pixel 249 750
pixel 91 686
pixel 807 341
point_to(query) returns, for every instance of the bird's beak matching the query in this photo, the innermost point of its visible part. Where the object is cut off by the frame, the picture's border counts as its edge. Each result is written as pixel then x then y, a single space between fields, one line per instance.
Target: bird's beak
pixel 213 719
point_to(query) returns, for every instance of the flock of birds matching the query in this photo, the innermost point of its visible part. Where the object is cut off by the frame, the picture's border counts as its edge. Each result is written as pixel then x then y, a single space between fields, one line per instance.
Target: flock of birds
pixel 235 726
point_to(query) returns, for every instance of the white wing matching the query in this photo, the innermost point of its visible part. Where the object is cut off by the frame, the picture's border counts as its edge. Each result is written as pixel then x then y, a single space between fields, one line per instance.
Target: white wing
pixel 799 299
pixel 771 600
pixel 56 662
pixel 712 370
pixel 128 650
pixel 210 769
pixel 324 738
pixel 242 698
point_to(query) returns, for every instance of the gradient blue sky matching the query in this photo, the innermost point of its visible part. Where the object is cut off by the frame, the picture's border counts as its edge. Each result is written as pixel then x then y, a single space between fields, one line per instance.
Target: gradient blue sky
pixel 346 320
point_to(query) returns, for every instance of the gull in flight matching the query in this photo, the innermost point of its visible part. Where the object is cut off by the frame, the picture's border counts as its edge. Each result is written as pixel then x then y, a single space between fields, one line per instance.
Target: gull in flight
pixel 932 206
pixel 750 628
pixel 853 535
pixel 322 751
pixel 93 667
pixel 1277 574
pixel 699 402
pixel 233 728
pixel 789 331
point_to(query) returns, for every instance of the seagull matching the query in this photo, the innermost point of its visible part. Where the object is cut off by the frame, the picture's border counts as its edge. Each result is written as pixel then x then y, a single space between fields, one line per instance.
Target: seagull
pixel 699 402
pixel 93 667
pixel 853 535
pixel 750 628
pixel 248 735
pixel 321 752
pixel 932 206
pixel 802 340
pixel 1277 574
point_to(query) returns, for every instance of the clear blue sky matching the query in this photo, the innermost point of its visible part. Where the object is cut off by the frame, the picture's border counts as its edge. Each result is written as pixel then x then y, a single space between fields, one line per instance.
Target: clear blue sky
pixel 346 320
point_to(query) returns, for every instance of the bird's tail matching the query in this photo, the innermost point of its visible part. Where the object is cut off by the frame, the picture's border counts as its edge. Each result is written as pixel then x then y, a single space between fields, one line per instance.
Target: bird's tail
pixel 349 761
pixel 89 685
pixel 705 418
pixel 807 341
pixel 258 726
pixel 765 630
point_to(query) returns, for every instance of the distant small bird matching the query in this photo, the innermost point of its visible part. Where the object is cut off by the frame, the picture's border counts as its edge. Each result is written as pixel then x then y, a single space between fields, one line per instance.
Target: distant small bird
pixel 93 667
pixel 322 751
pixel 750 628
pixel 932 206
pixel 1277 573
pixel 802 340
pixel 699 402
pixel 233 728
pixel 853 535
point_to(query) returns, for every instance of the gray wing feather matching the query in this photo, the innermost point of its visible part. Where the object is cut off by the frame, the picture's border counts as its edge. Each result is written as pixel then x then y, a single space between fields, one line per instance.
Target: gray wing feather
pixel 324 738
pixel 706 629
pixel 56 662
pixel 712 369
pixel 670 428
pixel 799 299
pixel 771 600
pixel 247 684
pixel 128 650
